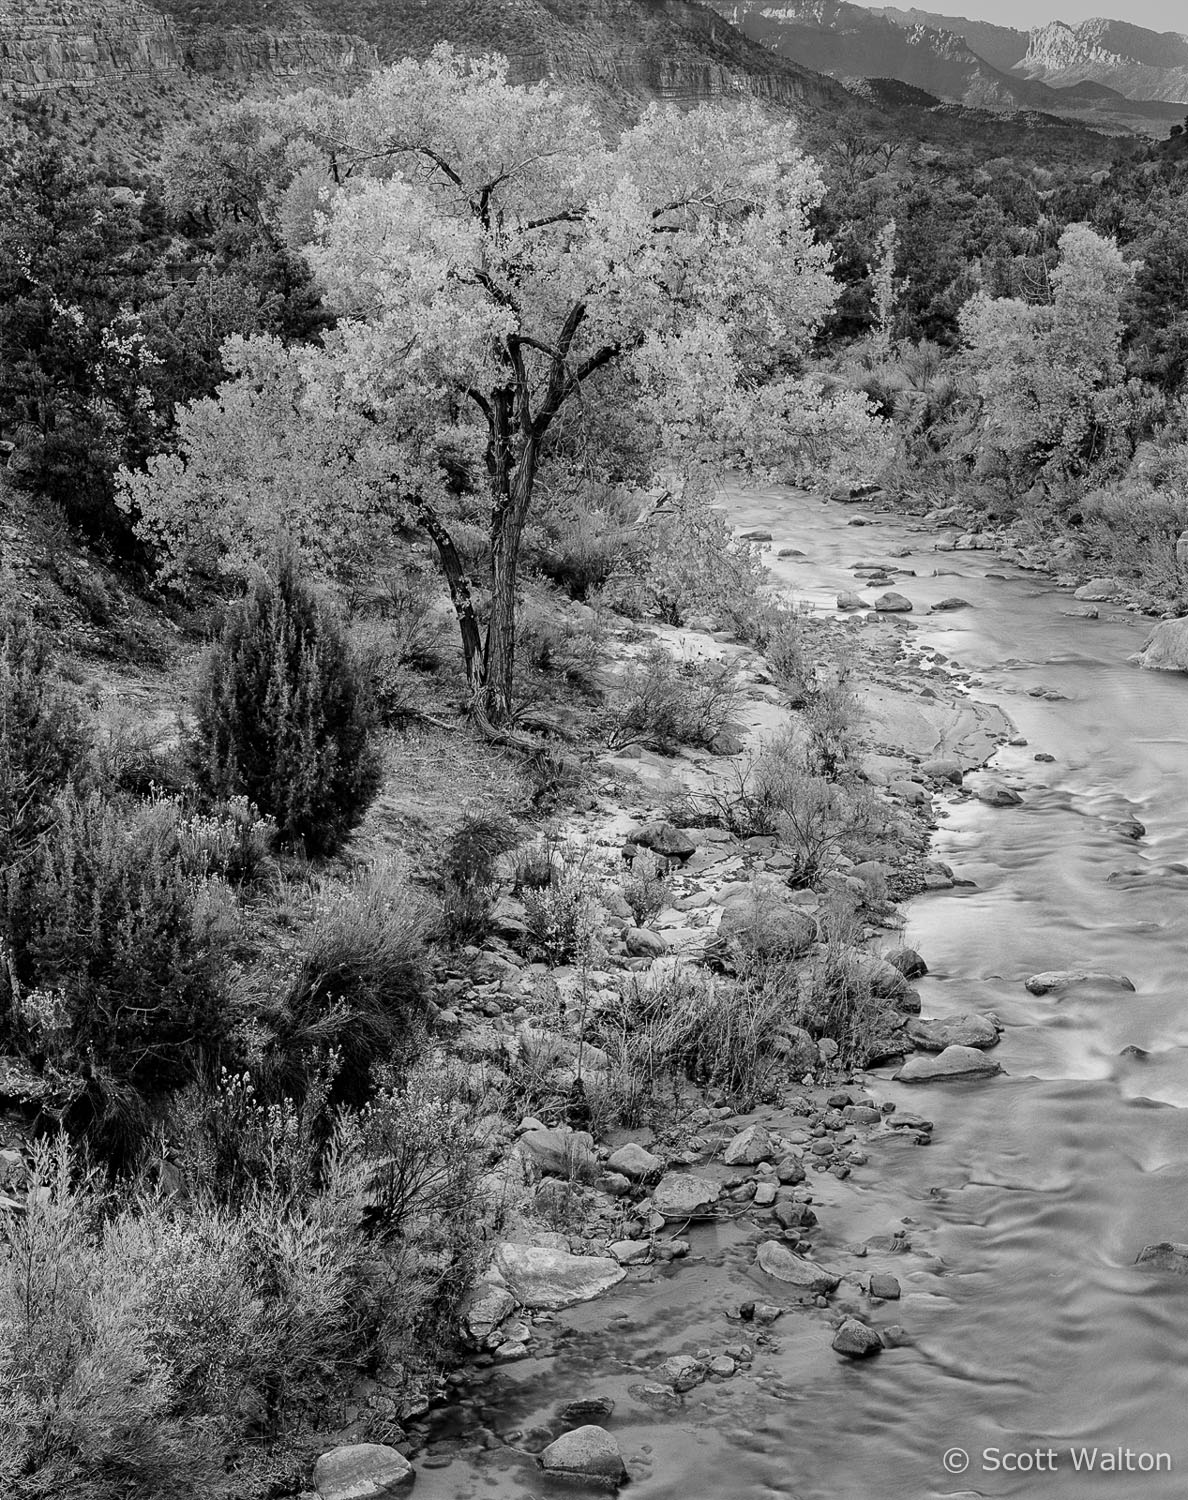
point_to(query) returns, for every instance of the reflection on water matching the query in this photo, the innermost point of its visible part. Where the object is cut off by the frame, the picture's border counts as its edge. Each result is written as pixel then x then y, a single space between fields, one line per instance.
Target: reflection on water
pixel 1030 1328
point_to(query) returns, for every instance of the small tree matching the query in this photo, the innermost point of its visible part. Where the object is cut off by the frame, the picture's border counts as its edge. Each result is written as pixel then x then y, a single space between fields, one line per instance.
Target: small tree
pixel 282 716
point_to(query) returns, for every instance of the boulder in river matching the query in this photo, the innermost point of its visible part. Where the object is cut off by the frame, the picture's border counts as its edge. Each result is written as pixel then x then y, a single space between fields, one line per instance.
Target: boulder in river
pixel 1098 590
pixel 942 769
pixel 585 1453
pixel 953 602
pixel 362 1471
pixel 892 603
pixel 634 1161
pixel 1166 648
pixel 1055 981
pixel 795 1270
pixel 682 1195
pixel 952 1031
pixel 953 1063
pixel 995 794
pixel 1165 1256
pixel 908 962
pixel 849 600
pixel 855 1340
pixel 749 1147
pixel 540 1277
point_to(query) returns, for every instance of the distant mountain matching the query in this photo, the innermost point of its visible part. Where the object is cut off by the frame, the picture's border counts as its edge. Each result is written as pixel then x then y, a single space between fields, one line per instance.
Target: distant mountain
pixel 836 37
pixel 1001 46
pixel 1138 63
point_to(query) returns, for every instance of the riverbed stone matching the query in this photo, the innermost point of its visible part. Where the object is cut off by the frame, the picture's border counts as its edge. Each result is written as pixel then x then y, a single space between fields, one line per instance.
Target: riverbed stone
pixel 795 1270
pixel 682 1372
pixel 849 600
pixel 950 1031
pixel 1166 1256
pixel 953 1063
pixel 1054 981
pixel 587 1452
pixel 684 1195
pixel 642 942
pixel 543 1278
pixel 749 1147
pixel 908 962
pixel 952 602
pixel 995 794
pixel 756 920
pixel 884 1286
pixel 362 1471
pixel 636 1162
pixel 1166 648
pixel 892 603
pixel 856 1340
pixel 486 1307
pixel 665 838
pixel 1098 590
pixel 632 1252
pixel 559 1153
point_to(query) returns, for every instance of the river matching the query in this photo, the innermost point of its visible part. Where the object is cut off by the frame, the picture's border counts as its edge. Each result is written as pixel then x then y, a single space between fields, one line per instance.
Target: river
pixel 1031 1332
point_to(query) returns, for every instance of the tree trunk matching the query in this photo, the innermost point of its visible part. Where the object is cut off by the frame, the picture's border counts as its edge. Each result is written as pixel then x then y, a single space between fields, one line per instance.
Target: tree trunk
pixel 507 530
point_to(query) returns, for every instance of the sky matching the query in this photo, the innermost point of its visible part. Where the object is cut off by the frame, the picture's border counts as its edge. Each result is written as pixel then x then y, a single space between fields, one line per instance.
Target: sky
pixel 1156 15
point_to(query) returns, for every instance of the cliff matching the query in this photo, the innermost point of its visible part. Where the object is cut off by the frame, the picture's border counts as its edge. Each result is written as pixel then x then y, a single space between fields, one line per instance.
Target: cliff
pixel 1136 62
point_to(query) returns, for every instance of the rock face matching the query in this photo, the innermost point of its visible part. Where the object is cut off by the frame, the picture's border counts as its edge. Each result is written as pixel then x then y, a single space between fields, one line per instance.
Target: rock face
pixel 362 1471
pixel 1166 648
pixel 586 1452
pixel 542 1278
pixel 1057 980
pixel 794 1270
pixel 953 1063
pixel 1139 63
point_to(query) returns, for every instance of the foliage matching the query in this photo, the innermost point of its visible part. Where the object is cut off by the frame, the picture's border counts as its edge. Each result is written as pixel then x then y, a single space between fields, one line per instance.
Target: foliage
pixel 470 874
pixel 282 716
pixel 666 703
pixel 115 961
pixel 42 735
pixel 563 916
pixel 647 889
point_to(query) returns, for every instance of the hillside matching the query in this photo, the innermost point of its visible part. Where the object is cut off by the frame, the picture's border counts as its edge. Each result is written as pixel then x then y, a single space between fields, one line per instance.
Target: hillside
pixel 1001 46
pixel 1136 62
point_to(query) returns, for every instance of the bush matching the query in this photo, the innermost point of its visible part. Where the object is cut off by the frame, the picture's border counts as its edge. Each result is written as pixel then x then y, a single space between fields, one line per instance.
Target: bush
pixel 42 734
pixel 115 969
pixel 838 1003
pixel 361 989
pixel 647 889
pixel 666 703
pixel 282 716
pixel 469 875
pixel 564 916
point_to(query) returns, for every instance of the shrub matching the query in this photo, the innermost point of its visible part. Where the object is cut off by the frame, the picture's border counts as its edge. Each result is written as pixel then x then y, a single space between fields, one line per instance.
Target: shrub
pixel 690 564
pixel 361 987
pixel 589 538
pixel 838 1001
pixel 115 975
pixel 564 917
pixel 647 889
pixel 666 703
pixel 470 880
pixel 832 716
pixel 42 734
pixel 282 717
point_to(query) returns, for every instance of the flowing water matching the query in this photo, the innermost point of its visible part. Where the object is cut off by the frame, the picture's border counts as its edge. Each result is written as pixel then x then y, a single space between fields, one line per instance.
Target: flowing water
pixel 1032 1332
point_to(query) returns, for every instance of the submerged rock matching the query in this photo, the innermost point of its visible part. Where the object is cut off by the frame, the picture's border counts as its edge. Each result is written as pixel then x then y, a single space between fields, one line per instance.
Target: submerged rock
pixel 1166 648
pixel 362 1471
pixel 794 1270
pixel 954 1062
pixel 952 1031
pixel 1056 980
pixel 540 1277
pixel 589 1452
pixel 1165 1256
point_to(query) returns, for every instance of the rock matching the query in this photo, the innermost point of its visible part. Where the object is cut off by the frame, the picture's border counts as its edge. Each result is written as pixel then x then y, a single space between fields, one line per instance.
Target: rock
pixel 856 1340
pixel 893 604
pixel 995 794
pixel 1097 590
pixel 681 1195
pixel 362 1471
pixel 588 1409
pixel 953 602
pixel 848 600
pixel 634 1162
pixel 682 1372
pixel 908 962
pixel 953 1062
pixel 540 1277
pixel 1166 648
pixel 952 1031
pixel 749 1147
pixel 563 1153
pixel 664 838
pixel 797 1050
pixel 589 1452
pixel 861 1114
pixel 762 923
pixel 640 942
pixel 1058 980
pixel 722 1366
pixel 910 792
pixel 1165 1256
pixel 785 1265
pixel 632 1252
pixel 486 1308
pixel 943 770
pixel 885 979
pixel 884 1286
pixel 758 535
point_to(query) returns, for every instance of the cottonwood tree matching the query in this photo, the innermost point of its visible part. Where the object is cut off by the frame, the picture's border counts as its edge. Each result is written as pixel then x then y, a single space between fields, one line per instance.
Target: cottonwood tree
pixel 514 294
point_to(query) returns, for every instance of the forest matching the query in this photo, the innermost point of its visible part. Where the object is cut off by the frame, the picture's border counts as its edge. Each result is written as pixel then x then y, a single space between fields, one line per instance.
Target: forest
pixel 373 438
